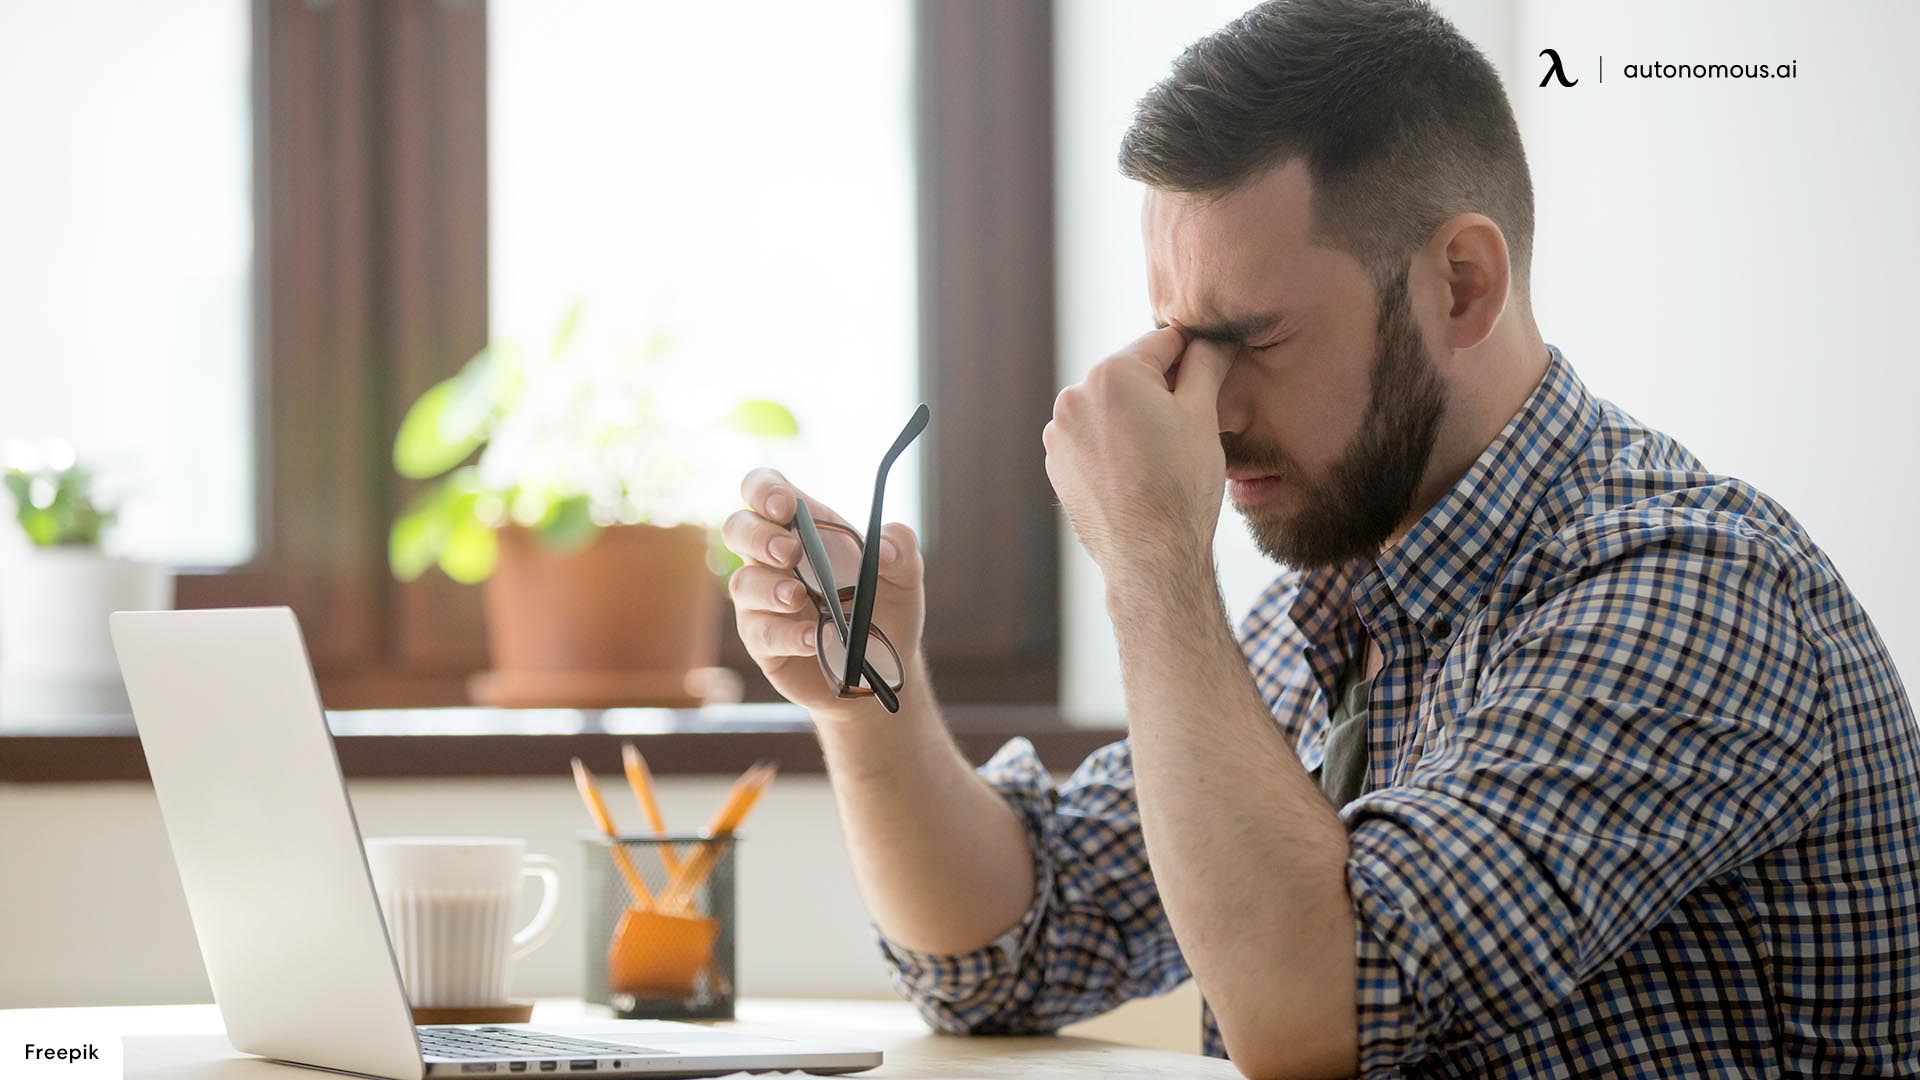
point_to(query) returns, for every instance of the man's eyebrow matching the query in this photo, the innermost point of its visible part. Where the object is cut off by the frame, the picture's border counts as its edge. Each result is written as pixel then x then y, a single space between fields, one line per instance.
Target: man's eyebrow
pixel 1234 331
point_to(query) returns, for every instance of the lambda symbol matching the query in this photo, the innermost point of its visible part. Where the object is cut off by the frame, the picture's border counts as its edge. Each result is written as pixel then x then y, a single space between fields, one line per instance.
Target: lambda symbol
pixel 1554 71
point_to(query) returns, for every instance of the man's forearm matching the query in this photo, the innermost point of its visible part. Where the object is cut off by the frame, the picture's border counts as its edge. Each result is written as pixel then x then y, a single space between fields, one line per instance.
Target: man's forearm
pixel 1249 856
pixel 940 857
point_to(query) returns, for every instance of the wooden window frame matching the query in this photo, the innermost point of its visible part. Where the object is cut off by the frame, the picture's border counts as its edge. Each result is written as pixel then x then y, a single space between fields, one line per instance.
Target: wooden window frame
pixel 370 198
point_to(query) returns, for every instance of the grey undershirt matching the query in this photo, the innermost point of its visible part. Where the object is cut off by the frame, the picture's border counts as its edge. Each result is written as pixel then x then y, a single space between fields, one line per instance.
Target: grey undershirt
pixel 1342 772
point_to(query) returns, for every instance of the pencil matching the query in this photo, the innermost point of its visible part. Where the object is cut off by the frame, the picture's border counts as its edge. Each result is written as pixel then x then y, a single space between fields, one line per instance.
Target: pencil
pixel 641 781
pixel 739 802
pixel 598 811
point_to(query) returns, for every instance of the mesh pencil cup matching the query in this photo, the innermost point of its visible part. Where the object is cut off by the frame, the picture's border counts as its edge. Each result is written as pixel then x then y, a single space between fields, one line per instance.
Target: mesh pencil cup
pixel 671 959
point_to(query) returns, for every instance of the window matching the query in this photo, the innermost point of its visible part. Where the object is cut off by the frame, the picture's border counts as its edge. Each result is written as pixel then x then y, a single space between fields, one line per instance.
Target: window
pixel 125 277
pixel 739 176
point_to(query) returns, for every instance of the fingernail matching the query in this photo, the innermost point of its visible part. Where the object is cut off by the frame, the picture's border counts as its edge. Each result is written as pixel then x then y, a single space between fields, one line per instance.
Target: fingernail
pixel 784 549
pixel 789 592
pixel 811 637
pixel 779 507
pixel 889 551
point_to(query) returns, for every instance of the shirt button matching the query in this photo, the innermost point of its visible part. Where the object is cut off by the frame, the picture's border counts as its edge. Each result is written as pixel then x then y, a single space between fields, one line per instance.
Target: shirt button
pixel 1440 629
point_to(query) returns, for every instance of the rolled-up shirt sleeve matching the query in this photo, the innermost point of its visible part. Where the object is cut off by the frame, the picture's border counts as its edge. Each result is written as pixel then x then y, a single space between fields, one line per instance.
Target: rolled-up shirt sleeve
pixel 1094 934
pixel 1613 759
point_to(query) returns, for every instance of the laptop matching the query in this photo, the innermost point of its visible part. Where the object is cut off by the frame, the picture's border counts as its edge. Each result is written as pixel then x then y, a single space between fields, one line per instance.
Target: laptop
pixel 282 901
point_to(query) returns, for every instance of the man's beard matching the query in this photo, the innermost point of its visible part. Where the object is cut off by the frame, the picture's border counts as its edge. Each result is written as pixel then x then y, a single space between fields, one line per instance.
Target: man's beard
pixel 1354 508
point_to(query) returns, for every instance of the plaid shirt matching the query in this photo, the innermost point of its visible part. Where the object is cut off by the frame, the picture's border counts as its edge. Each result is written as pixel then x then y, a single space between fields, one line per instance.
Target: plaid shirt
pixel 1644 793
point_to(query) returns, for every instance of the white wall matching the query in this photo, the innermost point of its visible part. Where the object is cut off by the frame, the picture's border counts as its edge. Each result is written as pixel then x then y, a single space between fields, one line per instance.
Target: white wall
pixel 1107 53
pixel 91 911
pixel 1729 261
pixel 1734 262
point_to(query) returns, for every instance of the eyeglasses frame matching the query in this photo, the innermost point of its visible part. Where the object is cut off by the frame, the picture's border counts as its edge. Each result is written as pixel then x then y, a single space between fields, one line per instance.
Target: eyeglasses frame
pixel 854 631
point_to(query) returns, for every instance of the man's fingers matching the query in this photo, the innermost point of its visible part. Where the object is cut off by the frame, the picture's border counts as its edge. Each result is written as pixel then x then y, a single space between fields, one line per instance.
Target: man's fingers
pixel 756 539
pixel 775 636
pixel 900 555
pixel 764 588
pixel 768 494
pixel 1160 348
pixel 1203 367
pixel 771 495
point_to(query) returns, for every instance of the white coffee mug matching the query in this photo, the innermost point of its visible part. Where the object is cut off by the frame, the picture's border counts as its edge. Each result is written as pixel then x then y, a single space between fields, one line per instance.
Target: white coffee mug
pixel 447 900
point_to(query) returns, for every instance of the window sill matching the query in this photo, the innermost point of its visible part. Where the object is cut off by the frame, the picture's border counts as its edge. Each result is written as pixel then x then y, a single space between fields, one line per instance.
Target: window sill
pixel 539 742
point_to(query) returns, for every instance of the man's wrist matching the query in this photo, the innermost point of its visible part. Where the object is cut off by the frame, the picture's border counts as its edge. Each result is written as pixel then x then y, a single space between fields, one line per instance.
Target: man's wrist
pixel 860 731
pixel 1172 584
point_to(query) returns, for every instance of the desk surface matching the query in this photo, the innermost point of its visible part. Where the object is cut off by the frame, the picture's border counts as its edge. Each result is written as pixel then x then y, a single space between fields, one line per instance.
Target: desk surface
pixel 185 1042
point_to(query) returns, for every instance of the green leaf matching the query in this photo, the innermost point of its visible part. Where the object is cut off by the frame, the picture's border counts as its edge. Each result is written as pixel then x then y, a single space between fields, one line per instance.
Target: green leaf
pixel 42 527
pixel 471 551
pixel 569 323
pixel 420 536
pixel 415 541
pixel 767 419
pixel 440 430
pixel 568 524
pixel 66 511
pixel 81 523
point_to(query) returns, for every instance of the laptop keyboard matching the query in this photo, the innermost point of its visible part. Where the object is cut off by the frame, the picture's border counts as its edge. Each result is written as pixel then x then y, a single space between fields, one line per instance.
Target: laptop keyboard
pixel 496 1043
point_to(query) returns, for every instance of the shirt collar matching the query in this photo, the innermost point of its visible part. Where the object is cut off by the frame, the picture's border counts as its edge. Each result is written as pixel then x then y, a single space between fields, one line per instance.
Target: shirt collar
pixel 1449 557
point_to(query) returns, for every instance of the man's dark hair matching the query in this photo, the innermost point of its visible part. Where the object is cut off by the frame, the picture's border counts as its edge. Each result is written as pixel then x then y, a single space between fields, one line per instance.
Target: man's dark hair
pixel 1401 122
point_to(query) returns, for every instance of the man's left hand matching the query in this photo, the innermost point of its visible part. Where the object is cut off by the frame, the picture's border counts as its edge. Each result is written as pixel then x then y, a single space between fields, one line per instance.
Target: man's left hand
pixel 1133 451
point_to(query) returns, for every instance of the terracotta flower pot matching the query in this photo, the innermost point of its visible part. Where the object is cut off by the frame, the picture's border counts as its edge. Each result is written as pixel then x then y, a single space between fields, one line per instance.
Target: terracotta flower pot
pixel 631 619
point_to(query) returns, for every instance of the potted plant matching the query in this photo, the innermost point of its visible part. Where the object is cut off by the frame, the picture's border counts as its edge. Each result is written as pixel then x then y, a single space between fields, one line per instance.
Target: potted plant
pixel 58 587
pixel 577 481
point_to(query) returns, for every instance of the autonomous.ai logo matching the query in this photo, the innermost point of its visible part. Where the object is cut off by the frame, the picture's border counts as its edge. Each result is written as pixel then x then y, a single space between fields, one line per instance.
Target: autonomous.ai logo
pixel 1554 70
pixel 1727 69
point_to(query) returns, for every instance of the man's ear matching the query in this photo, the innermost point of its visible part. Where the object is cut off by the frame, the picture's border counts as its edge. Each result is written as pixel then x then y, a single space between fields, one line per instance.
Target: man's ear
pixel 1468 258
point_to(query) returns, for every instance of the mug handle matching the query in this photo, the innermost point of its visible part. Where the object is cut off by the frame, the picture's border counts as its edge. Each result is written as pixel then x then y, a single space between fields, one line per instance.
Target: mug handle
pixel 541 926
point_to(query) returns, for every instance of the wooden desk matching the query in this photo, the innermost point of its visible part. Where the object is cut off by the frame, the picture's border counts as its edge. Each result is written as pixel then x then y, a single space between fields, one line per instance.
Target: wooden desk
pixel 185 1042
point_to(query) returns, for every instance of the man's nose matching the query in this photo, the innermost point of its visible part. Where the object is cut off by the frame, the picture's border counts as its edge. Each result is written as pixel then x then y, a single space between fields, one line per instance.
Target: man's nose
pixel 1235 403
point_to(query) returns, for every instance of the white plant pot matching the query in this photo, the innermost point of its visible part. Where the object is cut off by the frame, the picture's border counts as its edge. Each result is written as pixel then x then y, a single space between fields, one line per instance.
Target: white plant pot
pixel 56 658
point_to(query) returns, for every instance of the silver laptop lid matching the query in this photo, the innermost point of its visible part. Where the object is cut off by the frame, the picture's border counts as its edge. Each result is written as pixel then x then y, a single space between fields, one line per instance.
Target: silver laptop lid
pixel 265 840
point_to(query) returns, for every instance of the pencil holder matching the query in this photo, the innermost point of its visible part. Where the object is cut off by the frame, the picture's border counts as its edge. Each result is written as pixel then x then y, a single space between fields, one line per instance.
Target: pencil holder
pixel 668 955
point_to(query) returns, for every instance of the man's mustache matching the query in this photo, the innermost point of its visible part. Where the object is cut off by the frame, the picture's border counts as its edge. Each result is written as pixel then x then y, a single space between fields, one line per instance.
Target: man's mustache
pixel 1268 460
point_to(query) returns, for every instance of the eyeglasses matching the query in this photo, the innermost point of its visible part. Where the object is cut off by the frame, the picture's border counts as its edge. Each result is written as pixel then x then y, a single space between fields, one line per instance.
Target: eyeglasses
pixel 834 553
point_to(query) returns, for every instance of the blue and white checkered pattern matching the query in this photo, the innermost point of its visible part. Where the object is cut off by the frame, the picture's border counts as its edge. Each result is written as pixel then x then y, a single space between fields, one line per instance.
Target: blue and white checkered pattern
pixel 1644 788
pixel 1644 794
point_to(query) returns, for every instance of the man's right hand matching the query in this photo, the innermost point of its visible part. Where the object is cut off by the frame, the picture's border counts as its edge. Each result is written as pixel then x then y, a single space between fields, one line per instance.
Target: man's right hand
pixel 778 622
pixel 941 858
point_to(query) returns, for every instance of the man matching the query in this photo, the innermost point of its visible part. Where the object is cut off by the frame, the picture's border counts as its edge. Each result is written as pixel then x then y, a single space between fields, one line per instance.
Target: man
pixel 1553 754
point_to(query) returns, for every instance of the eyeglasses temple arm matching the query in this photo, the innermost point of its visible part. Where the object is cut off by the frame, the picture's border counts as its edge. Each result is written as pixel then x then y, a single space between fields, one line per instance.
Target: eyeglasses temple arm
pixel 870 556
pixel 816 553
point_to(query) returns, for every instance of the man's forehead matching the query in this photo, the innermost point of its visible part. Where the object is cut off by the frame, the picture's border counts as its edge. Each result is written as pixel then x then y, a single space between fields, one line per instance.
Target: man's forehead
pixel 1222 260
pixel 1280 197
